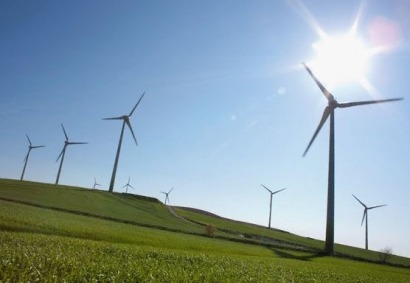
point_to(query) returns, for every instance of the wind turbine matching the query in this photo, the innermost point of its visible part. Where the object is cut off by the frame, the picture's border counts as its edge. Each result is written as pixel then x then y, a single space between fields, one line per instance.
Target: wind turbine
pixel 62 154
pixel 270 205
pixel 128 186
pixel 365 216
pixel 167 195
pixel 30 147
pixel 125 120
pixel 329 111
pixel 95 183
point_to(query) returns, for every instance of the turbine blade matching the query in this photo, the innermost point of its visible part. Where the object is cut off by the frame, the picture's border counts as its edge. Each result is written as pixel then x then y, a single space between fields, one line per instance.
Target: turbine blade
pixel 125 186
pixel 350 104
pixel 325 115
pixel 61 153
pixel 359 201
pixel 164 193
pixel 170 190
pixel 364 215
pixel 266 188
pixel 278 191
pixel 328 95
pixel 29 141
pixel 136 105
pixel 377 206
pixel 78 143
pixel 38 146
pixel 132 132
pixel 66 137
pixel 131 187
pixel 114 118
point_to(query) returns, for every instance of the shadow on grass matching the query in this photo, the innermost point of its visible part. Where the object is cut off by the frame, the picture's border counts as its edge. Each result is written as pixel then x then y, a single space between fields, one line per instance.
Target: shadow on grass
pixel 305 257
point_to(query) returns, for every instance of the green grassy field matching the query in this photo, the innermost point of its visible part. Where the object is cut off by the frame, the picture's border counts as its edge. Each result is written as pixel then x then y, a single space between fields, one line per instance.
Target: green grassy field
pixel 143 211
pixel 246 229
pixel 252 230
pixel 43 244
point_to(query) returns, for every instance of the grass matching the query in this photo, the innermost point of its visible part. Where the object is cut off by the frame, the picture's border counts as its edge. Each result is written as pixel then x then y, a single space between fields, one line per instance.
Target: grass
pixel 246 229
pixel 33 257
pixel 250 230
pixel 39 244
pixel 16 217
pixel 139 210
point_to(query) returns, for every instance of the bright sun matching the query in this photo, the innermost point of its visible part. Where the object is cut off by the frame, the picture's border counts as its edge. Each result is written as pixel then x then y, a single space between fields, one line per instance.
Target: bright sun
pixel 340 59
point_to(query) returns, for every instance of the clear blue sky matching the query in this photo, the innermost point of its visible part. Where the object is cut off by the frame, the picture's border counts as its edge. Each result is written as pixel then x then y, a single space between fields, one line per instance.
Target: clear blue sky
pixel 225 108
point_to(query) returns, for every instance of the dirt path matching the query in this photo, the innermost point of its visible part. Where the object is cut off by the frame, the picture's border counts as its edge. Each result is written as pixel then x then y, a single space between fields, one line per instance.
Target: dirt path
pixel 173 212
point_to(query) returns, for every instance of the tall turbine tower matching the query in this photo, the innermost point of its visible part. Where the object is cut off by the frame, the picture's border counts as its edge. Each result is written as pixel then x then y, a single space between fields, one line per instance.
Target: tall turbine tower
pixel 62 154
pixel 125 121
pixel 365 216
pixel 270 204
pixel 30 147
pixel 329 111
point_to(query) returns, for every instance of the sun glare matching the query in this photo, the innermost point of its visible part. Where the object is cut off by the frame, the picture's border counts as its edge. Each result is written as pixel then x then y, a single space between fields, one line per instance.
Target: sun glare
pixel 340 59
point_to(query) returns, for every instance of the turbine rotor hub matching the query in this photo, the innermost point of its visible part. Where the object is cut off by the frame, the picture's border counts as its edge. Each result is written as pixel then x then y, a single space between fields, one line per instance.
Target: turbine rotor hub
pixel 333 103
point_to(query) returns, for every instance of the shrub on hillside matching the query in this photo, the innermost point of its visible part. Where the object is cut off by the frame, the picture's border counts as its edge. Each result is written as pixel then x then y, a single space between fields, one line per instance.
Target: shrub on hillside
pixel 385 254
pixel 210 229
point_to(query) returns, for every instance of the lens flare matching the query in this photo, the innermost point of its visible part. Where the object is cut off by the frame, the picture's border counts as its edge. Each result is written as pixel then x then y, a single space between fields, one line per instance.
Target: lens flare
pixel 340 59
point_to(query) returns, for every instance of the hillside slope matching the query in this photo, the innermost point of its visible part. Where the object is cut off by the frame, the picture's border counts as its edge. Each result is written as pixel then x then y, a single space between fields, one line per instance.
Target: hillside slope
pixel 149 212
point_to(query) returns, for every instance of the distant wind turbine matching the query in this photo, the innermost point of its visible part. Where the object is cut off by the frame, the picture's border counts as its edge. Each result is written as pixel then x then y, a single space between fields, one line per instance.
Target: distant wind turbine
pixel 270 205
pixel 167 195
pixel 30 147
pixel 62 154
pixel 95 183
pixel 125 120
pixel 128 186
pixel 365 216
pixel 329 111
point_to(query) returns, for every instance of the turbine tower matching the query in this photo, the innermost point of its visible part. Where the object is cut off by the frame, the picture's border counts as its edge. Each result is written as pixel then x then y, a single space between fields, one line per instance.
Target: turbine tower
pixel 95 183
pixel 270 205
pixel 128 186
pixel 125 121
pixel 30 147
pixel 365 216
pixel 167 195
pixel 62 154
pixel 329 111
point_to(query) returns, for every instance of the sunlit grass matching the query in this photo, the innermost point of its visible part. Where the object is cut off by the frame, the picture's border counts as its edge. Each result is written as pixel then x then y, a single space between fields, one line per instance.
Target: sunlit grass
pixel 142 210
pixel 33 257
pixel 54 244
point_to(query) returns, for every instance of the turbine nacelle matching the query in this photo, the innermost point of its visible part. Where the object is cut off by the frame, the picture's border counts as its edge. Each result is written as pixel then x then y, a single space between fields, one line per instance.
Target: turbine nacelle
pixel 30 147
pixel 329 112
pixel 272 192
pixel 67 143
pixel 333 104
pixel 365 214
pixel 167 195
pixel 128 185
pixel 95 183
pixel 62 153
pixel 126 121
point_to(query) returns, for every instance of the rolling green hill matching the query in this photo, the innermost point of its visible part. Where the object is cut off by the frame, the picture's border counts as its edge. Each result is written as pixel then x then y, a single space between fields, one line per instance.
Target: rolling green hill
pixel 56 233
pixel 138 210
pixel 265 235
